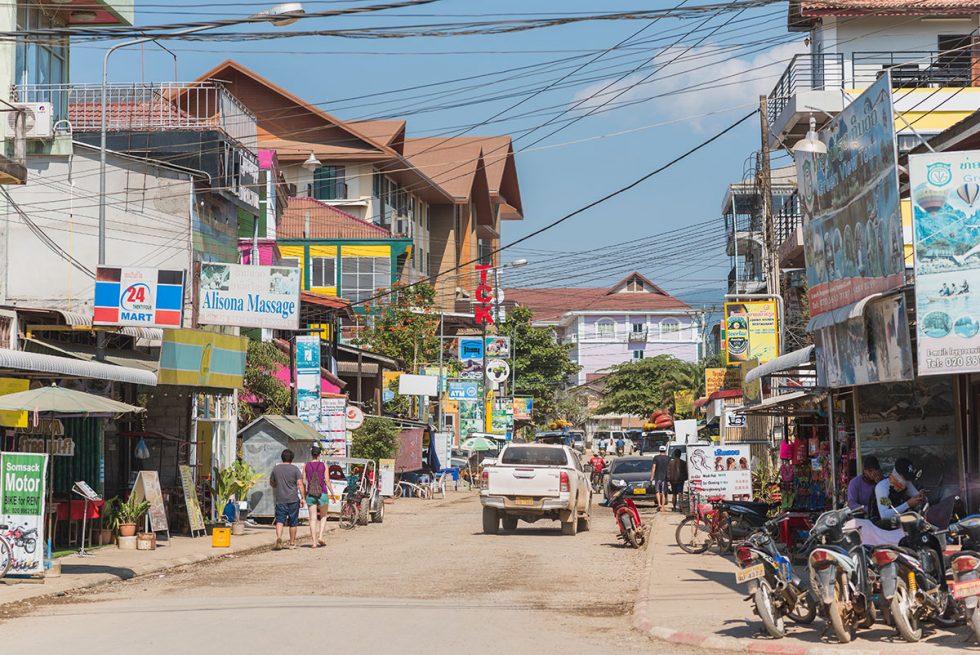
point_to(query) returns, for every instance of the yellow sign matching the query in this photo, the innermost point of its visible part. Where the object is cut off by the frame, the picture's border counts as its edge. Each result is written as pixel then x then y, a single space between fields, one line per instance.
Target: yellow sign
pixel 751 391
pixel 198 358
pixel 488 412
pixel 716 379
pixel 684 401
pixel 751 331
pixel 13 419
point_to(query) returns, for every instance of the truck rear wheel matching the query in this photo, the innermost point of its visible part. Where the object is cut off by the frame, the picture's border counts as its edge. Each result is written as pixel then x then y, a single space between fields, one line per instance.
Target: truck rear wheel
pixel 491 522
pixel 584 523
pixel 570 527
pixel 509 523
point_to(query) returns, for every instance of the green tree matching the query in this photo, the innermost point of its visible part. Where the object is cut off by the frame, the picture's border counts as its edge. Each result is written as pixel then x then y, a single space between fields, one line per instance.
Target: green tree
pixel 407 328
pixel 262 392
pixel 541 364
pixel 376 439
pixel 642 386
pixel 567 407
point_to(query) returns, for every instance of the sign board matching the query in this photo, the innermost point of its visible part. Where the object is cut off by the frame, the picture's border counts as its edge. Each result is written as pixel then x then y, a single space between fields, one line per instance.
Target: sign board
pixel 498 370
pixel 945 216
pixel 386 476
pixel 683 401
pixel 355 417
pixel 418 385
pixel 444 447
pixel 523 408
pixel 83 489
pixel 471 357
pixel 139 297
pixel 308 377
pixel 686 430
pixel 751 391
pixel 22 491
pixel 751 331
pixel 249 296
pixel 333 426
pixel 147 487
pixel 502 419
pixel 194 517
pixel 498 347
pixel 483 293
pixel 732 419
pixel 717 379
pixel 464 390
pixel 853 239
pixel 13 419
pixel 57 446
pixel 724 471
pixel 197 358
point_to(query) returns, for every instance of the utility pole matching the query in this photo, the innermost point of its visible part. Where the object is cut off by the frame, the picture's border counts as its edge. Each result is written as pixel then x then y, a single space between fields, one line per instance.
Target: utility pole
pixel 765 190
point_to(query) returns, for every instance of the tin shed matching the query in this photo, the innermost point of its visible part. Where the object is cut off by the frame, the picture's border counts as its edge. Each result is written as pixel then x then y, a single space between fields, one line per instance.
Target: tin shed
pixel 263 441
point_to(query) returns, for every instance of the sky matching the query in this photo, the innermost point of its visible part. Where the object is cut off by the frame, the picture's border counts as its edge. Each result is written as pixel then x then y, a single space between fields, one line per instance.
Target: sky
pixel 693 78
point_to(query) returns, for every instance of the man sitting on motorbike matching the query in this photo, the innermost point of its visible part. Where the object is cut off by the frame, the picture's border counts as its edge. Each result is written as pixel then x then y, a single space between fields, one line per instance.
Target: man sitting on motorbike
pixel 894 495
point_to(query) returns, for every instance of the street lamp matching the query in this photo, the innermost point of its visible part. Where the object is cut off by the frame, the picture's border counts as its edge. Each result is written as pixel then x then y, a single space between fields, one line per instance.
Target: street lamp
pixel 497 297
pixel 811 142
pixel 280 15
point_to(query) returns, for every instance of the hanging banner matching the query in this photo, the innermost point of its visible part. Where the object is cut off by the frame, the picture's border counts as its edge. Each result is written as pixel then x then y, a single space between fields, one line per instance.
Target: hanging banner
pixel 307 378
pixel 464 390
pixel 523 408
pixel 471 357
pixel 249 296
pixel 751 331
pixel 141 297
pixel 147 487
pixel 724 471
pixel 946 225
pixel 683 401
pixel 22 492
pixel 194 517
pixel 852 221
pixel 498 347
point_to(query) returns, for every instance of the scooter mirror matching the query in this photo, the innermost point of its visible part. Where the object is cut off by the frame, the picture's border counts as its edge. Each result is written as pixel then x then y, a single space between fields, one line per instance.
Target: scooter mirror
pixel 619 484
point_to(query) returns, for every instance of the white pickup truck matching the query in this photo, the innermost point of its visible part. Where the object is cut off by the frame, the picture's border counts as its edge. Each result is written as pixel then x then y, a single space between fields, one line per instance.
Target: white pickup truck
pixel 530 482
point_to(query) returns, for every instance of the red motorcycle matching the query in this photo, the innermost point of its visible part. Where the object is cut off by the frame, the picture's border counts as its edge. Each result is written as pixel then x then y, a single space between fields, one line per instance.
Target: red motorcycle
pixel 631 530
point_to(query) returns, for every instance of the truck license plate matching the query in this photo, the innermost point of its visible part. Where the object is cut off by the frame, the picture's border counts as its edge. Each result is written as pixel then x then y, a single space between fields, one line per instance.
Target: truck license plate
pixel 524 501
pixel 639 491
pixel 966 589
pixel 751 573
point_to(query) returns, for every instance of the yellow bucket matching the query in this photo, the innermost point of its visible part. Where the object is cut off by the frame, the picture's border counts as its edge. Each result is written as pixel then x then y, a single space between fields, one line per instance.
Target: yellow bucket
pixel 221 538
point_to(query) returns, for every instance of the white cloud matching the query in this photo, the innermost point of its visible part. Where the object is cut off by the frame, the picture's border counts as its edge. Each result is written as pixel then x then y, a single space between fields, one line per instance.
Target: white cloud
pixel 702 80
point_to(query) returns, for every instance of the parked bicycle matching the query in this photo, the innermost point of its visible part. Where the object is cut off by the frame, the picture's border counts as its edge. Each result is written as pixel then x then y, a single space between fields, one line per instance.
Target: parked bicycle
pixel 708 524
pixel 350 511
pixel 6 553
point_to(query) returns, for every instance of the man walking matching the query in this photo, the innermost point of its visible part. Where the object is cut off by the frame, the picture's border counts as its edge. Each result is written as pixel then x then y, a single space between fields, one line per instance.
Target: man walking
pixel 287 481
pixel 676 476
pixel 660 465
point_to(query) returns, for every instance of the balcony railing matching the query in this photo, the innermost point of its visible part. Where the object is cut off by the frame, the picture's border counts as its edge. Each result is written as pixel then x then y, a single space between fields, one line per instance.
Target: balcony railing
pixel 638 336
pixel 913 70
pixel 806 73
pixel 146 107
pixel 787 219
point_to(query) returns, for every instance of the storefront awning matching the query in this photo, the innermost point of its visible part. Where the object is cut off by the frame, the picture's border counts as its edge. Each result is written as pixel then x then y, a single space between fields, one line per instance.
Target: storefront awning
pixel 796 403
pixel 787 362
pixel 63 366
pixel 351 368
pixel 842 314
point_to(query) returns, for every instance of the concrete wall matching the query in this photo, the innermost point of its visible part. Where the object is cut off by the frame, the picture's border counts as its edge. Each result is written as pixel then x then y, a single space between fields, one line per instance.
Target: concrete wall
pixel 147 224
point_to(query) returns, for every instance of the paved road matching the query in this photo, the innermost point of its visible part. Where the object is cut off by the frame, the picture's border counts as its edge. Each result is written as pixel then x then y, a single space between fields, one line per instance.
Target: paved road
pixel 424 582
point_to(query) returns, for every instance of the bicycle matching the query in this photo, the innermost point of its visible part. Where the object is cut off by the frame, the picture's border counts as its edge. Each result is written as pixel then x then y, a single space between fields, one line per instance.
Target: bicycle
pixel 6 554
pixel 707 524
pixel 350 510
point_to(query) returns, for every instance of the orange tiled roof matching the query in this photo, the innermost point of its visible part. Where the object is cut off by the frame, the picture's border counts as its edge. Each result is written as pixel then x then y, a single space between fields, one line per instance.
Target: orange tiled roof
pixel 449 161
pixel 325 222
pixel 887 7
pixel 382 131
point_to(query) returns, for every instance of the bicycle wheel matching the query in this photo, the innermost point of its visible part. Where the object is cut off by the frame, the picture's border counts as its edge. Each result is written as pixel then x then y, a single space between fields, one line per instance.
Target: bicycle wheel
pixel 399 490
pixel 6 557
pixel 348 516
pixel 693 535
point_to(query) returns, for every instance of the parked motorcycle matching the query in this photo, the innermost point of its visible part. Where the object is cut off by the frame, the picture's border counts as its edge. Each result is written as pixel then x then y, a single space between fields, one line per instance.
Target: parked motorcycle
pixel 772 585
pixel 745 517
pixel 965 565
pixel 632 532
pixel 913 578
pixel 840 576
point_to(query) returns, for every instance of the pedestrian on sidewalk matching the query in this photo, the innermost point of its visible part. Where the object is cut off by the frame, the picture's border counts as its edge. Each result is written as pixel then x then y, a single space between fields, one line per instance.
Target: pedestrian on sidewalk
pixel 660 465
pixel 676 476
pixel 319 491
pixel 287 481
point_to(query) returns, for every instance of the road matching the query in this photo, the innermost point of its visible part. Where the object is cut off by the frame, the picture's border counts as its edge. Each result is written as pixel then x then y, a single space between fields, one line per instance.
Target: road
pixel 425 581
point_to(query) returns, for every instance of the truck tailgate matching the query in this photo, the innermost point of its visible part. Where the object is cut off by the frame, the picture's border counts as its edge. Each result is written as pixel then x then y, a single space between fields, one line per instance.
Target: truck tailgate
pixel 524 481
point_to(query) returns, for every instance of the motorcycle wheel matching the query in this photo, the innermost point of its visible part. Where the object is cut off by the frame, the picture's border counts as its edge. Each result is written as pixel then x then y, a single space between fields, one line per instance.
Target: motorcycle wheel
pixel 843 628
pixel 30 545
pixel 905 620
pixel 974 619
pixel 771 617
pixel 692 536
pixel 805 610
pixel 629 531
pixel 724 535
pixel 6 557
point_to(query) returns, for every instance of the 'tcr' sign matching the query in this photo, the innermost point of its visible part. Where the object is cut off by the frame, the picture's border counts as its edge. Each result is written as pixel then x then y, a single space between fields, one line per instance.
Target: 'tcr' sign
pixel 484 297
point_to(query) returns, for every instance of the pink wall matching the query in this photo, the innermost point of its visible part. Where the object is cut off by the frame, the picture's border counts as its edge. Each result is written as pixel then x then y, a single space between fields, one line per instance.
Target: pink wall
pixel 268 252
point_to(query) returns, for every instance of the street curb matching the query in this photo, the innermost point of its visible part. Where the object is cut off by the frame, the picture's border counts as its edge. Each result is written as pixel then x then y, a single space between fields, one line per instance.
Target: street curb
pixel 643 621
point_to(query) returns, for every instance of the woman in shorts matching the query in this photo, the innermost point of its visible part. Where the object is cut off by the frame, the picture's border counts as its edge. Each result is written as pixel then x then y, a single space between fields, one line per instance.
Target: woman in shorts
pixel 318 494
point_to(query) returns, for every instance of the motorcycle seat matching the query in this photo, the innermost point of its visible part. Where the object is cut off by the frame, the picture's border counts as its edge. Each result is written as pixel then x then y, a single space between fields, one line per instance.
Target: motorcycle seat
pixel 752 506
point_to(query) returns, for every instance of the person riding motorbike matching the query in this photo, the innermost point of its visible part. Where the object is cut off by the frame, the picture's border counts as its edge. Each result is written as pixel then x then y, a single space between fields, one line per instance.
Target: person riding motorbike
pixel 598 465
pixel 620 446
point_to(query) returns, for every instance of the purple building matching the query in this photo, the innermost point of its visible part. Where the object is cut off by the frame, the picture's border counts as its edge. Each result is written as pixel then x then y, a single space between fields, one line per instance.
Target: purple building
pixel 630 320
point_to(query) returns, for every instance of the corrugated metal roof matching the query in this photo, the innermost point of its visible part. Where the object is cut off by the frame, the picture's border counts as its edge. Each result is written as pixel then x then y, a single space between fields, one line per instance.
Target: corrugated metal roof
pixel 39 363
pixel 293 427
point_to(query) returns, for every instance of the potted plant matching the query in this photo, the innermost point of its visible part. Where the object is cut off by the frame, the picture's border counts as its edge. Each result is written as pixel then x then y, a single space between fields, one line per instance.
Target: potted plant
pixel 233 482
pixel 110 520
pixel 130 512
pixel 246 477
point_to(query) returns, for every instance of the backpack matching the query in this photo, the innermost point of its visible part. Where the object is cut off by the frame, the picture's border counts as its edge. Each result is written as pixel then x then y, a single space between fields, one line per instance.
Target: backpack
pixel 313 487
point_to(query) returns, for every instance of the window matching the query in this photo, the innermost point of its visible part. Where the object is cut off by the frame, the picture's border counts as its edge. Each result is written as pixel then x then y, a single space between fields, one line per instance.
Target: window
pixel 638 327
pixel 954 61
pixel 323 272
pixel 605 328
pixel 44 61
pixel 534 456
pixel 634 285
pixel 670 329
pixel 329 183
pixel 637 354
pixel 362 277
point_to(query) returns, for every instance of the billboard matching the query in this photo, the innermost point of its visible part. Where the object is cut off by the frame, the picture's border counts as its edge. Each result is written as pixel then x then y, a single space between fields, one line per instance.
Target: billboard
pixel 724 471
pixel 22 493
pixel 139 297
pixel 852 223
pixel 307 376
pixel 871 348
pixel 751 331
pixel 498 347
pixel 249 296
pixel 946 225
pixel 471 351
pixel 464 390
pixel 716 379
pixel 196 358
pixel 523 408
pixel 684 401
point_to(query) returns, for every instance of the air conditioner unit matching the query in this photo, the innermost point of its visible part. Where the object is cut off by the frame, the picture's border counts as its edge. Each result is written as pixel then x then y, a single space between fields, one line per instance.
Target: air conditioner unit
pixel 38 123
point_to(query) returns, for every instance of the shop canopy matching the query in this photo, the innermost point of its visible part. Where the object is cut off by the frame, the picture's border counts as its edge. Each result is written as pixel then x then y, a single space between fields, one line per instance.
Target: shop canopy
pixel 58 400
pixel 789 404
pixel 788 362
pixel 54 366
